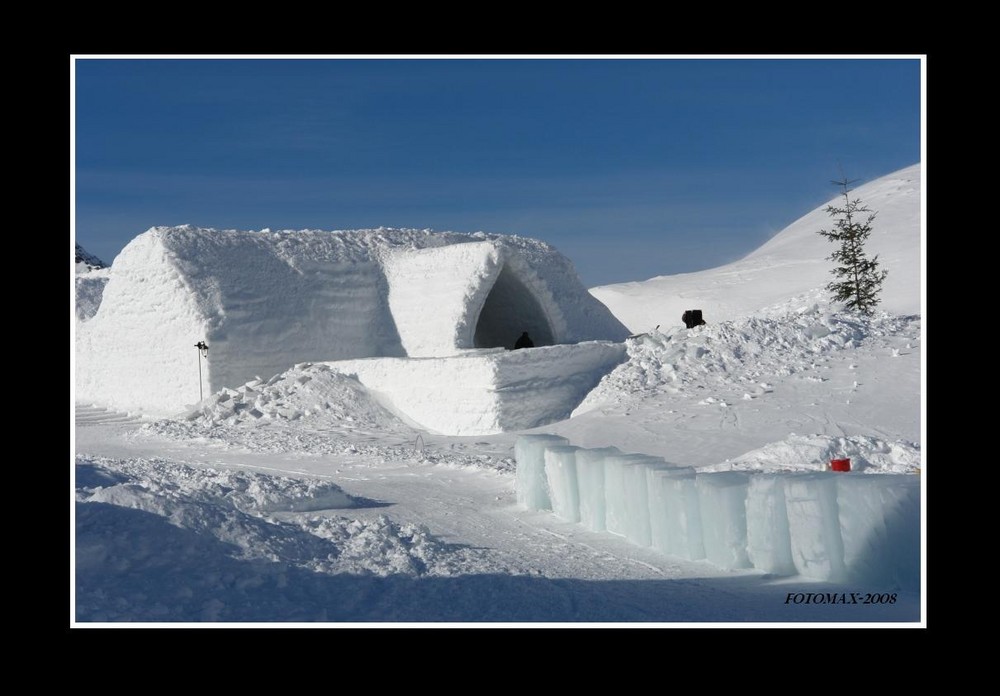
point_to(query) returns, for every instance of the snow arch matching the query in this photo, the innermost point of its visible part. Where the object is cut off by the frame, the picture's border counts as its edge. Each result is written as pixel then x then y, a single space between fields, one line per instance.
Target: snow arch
pixel 509 309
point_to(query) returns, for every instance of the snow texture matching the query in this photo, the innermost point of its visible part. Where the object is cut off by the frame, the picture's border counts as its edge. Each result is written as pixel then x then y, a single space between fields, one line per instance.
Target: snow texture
pixel 741 353
pixel 264 301
pixel 794 262
pixel 312 395
pixel 162 541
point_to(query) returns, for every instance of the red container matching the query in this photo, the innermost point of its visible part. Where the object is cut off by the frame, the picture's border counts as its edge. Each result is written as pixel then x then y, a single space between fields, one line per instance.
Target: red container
pixel 840 464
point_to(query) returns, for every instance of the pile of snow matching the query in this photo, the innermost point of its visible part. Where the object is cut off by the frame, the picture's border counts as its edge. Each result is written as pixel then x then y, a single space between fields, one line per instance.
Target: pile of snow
pixel 743 353
pixel 792 263
pixel 311 395
pixel 164 541
pixel 820 525
pixel 869 455
pixel 264 301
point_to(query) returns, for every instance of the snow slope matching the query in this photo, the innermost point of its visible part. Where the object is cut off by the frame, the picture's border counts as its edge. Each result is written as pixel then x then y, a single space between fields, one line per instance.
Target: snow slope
pixel 792 263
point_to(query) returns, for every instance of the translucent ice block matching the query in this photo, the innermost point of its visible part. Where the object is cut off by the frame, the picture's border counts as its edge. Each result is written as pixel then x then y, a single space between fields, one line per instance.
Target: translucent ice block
pixel 880 528
pixel 769 545
pixel 814 525
pixel 637 518
pixel 675 513
pixel 532 487
pixel 724 517
pixel 590 480
pixel 560 472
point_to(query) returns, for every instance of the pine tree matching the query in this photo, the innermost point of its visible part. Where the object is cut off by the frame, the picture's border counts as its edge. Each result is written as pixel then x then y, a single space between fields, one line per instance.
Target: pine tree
pixel 859 280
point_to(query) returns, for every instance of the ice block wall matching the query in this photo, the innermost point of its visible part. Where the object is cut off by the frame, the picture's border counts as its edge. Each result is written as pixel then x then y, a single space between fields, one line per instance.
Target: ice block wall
pixel 834 527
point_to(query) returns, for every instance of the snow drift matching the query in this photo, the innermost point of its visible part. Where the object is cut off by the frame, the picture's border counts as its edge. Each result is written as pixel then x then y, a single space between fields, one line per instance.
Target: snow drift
pixel 793 262
pixel 264 301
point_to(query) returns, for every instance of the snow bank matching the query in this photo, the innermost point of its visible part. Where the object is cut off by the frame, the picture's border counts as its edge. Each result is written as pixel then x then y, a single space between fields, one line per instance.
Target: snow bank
pixel 834 527
pixel 742 353
pixel 793 262
pixel 867 454
pixel 163 541
pixel 264 301
pixel 312 395
pixel 485 392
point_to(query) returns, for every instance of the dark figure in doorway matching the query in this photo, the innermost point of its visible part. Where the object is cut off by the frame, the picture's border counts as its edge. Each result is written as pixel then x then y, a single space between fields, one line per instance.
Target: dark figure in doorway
pixel 524 342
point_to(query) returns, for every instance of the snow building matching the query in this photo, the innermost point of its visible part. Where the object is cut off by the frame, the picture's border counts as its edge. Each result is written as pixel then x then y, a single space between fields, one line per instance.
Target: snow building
pixel 264 301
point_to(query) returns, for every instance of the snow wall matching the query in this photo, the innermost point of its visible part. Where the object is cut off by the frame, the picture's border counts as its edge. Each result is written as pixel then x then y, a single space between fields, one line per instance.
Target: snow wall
pixel 264 301
pixel 486 392
pixel 834 527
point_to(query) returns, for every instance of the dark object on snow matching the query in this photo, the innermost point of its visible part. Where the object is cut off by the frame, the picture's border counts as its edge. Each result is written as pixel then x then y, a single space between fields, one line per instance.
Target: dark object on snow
pixel 692 318
pixel 524 342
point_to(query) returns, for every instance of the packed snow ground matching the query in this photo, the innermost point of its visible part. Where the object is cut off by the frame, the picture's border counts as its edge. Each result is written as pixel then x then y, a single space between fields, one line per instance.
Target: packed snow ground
pixel 327 506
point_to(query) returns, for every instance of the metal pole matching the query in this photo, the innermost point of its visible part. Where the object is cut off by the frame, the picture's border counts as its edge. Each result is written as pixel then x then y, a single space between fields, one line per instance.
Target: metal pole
pixel 202 349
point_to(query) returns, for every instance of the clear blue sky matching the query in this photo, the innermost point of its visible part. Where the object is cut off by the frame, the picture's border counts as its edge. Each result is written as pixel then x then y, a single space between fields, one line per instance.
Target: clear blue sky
pixel 632 168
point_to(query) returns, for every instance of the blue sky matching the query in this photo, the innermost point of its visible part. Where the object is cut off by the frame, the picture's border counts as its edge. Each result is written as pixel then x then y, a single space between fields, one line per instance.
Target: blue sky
pixel 632 168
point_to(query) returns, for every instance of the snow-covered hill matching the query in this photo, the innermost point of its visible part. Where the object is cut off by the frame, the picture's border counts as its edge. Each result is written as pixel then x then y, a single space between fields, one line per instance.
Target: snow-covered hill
pixel 793 262
pixel 86 262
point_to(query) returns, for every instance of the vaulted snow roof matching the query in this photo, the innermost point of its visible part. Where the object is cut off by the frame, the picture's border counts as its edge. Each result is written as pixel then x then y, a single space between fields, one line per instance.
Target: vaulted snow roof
pixel 267 300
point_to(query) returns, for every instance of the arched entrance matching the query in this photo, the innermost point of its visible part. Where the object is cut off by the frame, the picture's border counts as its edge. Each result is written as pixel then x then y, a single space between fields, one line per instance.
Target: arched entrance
pixel 510 309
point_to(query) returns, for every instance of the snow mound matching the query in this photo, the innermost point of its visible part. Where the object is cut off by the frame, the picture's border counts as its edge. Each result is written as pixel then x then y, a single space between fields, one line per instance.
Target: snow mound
pixel 814 452
pixel 791 263
pixel 309 394
pixel 237 508
pixel 742 352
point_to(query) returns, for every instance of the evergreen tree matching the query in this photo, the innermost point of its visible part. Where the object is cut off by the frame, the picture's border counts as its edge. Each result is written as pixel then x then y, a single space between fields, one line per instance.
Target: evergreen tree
pixel 858 278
